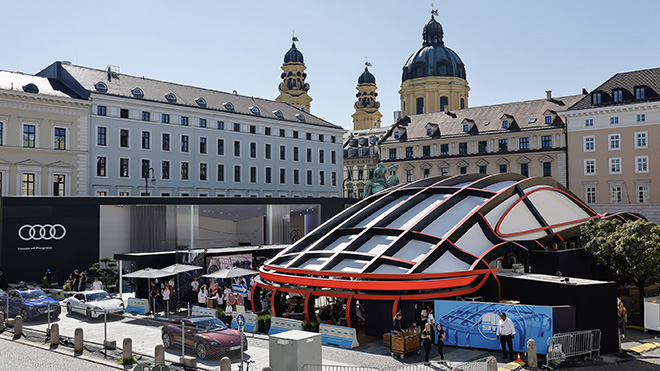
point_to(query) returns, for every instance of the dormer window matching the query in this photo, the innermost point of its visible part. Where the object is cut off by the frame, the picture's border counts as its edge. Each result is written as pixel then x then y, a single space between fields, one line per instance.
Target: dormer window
pixel 466 128
pixel 397 135
pixel 596 98
pixel 532 120
pixel 101 87
pixel 31 88
pixel 170 97
pixel 617 95
pixel 300 117
pixel 640 92
pixel 201 102
pixel 429 131
pixel 505 124
pixel 228 106
pixel 278 114
pixel 255 110
pixel 548 120
pixel 137 93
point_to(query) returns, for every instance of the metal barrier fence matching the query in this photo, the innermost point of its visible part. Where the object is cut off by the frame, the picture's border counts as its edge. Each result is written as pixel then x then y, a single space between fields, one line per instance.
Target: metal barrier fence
pixel 309 367
pixel 481 364
pixel 571 344
pixel 433 366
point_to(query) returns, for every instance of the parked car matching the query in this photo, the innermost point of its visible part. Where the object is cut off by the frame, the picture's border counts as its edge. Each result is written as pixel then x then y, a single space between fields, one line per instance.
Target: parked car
pixel 93 304
pixel 207 336
pixel 30 303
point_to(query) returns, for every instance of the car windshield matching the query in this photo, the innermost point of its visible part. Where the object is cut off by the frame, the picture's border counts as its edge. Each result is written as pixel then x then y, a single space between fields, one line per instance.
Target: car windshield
pixel 207 325
pixel 33 294
pixel 98 296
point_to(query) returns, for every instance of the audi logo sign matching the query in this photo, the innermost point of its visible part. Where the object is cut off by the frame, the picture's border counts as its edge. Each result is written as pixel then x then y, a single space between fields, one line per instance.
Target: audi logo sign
pixel 44 232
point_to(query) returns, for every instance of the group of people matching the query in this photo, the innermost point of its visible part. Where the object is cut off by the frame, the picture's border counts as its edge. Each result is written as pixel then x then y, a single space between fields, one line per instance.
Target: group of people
pixel 428 335
pixel 162 296
pixel 77 281
pixel 219 293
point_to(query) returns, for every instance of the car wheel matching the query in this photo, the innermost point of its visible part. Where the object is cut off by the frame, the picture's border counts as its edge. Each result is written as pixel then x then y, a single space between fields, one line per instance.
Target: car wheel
pixel 167 341
pixel 24 314
pixel 68 308
pixel 89 313
pixel 201 351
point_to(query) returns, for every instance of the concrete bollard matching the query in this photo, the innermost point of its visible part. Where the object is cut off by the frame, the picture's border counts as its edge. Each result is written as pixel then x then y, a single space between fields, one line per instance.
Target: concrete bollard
pixel 189 361
pixel 18 326
pixel 127 351
pixel 159 355
pixel 54 335
pixel 491 364
pixel 78 341
pixel 2 321
pixel 225 364
pixel 532 357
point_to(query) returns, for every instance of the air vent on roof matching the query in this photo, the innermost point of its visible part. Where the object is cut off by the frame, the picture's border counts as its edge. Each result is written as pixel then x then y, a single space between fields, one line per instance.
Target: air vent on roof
pixel 101 87
pixel 31 88
pixel 255 110
pixel 170 97
pixel 278 114
pixel 300 117
pixel 229 106
pixel 138 93
pixel 201 102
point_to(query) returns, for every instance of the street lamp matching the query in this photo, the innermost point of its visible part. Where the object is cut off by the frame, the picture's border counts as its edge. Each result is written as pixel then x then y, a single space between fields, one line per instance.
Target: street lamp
pixel 146 180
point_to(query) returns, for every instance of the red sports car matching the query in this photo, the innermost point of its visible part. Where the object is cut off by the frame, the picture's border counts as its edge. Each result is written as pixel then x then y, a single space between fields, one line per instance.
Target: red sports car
pixel 208 336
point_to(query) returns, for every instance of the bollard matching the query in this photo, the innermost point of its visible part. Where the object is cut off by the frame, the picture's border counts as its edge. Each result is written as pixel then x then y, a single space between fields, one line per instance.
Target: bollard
pixel 2 321
pixel 532 357
pixel 54 335
pixel 78 341
pixel 18 326
pixel 127 351
pixel 225 364
pixel 159 355
pixel 491 364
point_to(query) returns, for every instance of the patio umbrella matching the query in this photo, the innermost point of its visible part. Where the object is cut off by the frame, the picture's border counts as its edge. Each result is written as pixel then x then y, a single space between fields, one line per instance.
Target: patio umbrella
pixel 147 273
pixel 230 272
pixel 180 268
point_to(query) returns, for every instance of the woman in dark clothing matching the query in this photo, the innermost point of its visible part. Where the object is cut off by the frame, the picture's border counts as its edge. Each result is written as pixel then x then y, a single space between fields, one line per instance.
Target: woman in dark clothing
pixel 396 325
pixel 426 338
pixel 441 340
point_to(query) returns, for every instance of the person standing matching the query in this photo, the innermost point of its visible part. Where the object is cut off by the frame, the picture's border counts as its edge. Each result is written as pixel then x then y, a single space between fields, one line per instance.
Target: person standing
pixel 506 332
pixel 441 340
pixel 201 296
pixel 97 285
pixel 194 286
pixel 82 286
pixel 76 280
pixel 396 325
pixel 430 319
pixel 166 297
pixel 153 295
pixel 623 317
pixel 426 339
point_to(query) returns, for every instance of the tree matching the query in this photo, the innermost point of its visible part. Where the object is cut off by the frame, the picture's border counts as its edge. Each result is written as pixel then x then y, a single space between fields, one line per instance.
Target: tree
pixel 105 270
pixel 630 248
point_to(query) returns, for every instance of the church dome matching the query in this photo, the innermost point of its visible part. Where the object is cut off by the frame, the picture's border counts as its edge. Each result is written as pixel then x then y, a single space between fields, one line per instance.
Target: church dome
pixel 293 55
pixel 433 58
pixel 366 77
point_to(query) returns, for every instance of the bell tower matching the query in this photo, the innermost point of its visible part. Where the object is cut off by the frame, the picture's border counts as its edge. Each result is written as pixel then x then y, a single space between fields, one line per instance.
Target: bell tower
pixel 293 88
pixel 366 114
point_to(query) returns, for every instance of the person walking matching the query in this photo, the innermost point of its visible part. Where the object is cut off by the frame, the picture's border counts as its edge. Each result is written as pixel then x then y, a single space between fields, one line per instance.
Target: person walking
pixel 426 339
pixel 505 333
pixel 623 318
pixel 201 296
pixel 441 340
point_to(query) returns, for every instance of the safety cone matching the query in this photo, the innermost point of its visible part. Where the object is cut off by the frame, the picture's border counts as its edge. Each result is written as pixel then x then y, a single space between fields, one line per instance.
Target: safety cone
pixel 519 360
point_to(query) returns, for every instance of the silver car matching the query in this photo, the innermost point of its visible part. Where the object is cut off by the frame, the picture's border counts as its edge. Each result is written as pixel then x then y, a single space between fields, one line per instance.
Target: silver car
pixel 94 303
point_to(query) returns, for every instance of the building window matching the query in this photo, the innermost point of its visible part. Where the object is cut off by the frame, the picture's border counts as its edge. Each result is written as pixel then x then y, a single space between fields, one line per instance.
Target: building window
pixel 397 135
pixel 237 148
pixel 426 173
pixel 101 136
pixel 221 172
pixel 283 153
pixel 505 124
pixel 462 103
pixel 641 117
pixel 282 133
pixel 462 170
pixel 123 167
pixel 590 194
pixel 296 176
pixel 466 128
pixel 237 173
pixel 146 164
pixel 269 175
pixel 28 184
pixel 616 196
pixel 60 138
pixel 590 167
pixel 617 95
pixel 123 113
pixel 29 135
pixel 643 193
pixel 202 123
pixel 482 169
pixel 333 139
pixel 309 155
pixel 253 150
pixel 58 185
pixel 123 138
pixel 321 156
pixel 462 148
pixel 221 125
pixel 102 110
pixel 165 170
pixel 409 151
pixel 420 106
pixel 524 169
pixel 614 120
pixel 202 172
pixel 360 174
pixel 253 174
pixel 615 165
pixel 221 147
pixel 146 116
pixel 185 144
pixel 409 175
pixel 322 178
pixel 184 120
pixel 444 171
pixel 165 142
pixel 282 176
pixel 165 118
pixel 100 166
pixel 640 139
pixel 546 141
pixel 444 149
pixel 202 145
pixel 333 157
pixel 267 154
pixel 503 168
pixel 429 131
pixel 392 153
pixel 146 140
pixel 589 144
pixel 589 122
pixel 308 136
pixel 503 144
pixel 309 177
pixel 444 101
pixel 640 92
pixel 615 142
pixel 237 127
pixel 333 179
pixel 483 146
pixel 296 134
pixel 548 120
pixel 596 98
pixel 524 143
pixel 547 169
pixel 184 171
pixel 642 164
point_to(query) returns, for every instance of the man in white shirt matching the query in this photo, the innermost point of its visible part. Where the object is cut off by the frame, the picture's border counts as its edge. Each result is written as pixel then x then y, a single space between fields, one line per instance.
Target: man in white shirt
pixel 506 332
pixel 97 285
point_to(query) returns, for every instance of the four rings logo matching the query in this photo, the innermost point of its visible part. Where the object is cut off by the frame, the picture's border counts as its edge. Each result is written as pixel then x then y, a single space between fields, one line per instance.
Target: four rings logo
pixel 41 232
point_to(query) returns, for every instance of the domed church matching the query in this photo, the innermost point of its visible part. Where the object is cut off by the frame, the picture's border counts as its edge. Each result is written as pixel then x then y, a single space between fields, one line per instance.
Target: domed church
pixel 366 114
pixel 293 88
pixel 434 78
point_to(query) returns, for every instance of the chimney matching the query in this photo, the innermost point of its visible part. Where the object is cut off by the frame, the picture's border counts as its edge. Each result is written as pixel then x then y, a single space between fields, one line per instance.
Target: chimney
pixel 548 94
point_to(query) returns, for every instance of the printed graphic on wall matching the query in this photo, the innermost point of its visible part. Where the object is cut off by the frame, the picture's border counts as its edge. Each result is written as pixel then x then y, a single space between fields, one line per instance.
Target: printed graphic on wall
pixel 474 324
pixel 214 263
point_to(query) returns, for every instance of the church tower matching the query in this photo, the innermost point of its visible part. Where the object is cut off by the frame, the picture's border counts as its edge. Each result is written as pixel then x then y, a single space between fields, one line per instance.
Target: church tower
pixel 293 88
pixel 434 77
pixel 366 114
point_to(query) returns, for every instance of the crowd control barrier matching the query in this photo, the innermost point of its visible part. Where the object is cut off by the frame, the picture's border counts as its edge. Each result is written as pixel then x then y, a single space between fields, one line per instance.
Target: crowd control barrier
pixel 203 312
pixel 338 335
pixel 279 324
pixel 570 344
pixel 136 305
pixel 250 321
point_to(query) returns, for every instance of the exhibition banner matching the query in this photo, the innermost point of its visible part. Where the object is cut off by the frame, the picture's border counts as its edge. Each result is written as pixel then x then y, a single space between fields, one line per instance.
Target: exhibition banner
pixel 474 324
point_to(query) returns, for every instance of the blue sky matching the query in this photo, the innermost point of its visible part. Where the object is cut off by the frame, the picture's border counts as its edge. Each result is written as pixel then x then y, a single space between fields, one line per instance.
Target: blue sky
pixel 512 50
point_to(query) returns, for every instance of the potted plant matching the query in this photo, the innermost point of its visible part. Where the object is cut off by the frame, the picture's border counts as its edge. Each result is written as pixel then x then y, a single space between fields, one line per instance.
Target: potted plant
pixel 266 319
pixel 220 314
pixel 260 324
pixel 306 326
pixel 314 326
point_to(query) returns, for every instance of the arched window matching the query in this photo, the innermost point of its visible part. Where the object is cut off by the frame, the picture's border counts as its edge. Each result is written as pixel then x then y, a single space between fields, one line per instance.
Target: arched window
pixel 420 106
pixel 462 103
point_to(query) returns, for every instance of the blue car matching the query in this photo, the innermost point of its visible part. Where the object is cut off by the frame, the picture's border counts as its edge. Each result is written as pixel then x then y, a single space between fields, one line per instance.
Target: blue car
pixel 29 303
